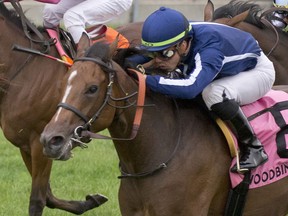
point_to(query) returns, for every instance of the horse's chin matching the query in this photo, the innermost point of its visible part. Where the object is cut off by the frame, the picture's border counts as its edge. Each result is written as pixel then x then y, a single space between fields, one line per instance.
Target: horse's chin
pixel 64 154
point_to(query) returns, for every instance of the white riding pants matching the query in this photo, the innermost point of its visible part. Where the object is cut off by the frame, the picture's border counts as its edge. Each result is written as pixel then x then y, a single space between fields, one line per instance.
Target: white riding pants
pixel 80 14
pixel 245 87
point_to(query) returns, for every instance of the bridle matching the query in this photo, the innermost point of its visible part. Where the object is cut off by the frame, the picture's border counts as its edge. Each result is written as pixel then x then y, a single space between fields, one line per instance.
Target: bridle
pixel 83 131
pixel 266 22
pixel 89 121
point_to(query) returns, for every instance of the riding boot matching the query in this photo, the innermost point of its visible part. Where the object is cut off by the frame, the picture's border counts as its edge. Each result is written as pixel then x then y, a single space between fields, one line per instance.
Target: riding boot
pixel 252 153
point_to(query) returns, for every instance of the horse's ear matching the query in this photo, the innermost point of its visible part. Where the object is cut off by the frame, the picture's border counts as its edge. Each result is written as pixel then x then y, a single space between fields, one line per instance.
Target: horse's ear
pixel 83 45
pixel 113 47
pixel 208 11
pixel 237 19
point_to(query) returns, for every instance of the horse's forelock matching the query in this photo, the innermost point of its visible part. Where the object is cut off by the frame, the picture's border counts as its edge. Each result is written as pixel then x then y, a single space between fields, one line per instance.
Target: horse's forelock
pixel 236 7
pixel 99 50
pixel 123 54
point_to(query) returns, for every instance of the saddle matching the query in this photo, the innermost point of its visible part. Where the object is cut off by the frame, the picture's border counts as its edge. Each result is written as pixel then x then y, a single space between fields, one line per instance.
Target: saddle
pixel 67 48
pixel 64 44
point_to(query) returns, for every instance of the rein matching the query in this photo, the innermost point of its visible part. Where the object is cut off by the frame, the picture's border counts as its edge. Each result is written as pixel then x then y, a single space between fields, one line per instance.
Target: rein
pixel 83 131
pixel 137 117
pixel 88 122
pixel 26 23
pixel 268 23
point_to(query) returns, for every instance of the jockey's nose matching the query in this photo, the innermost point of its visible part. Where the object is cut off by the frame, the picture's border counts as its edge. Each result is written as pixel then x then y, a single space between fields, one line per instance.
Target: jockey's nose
pixel 158 59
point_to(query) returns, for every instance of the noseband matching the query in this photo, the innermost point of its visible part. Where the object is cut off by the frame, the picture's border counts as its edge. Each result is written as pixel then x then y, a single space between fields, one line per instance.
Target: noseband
pixel 89 121
pixel 83 131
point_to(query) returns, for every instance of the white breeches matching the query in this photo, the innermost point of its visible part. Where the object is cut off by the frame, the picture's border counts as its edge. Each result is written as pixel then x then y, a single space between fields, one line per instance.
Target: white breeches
pixel 245 87
pixel 80 14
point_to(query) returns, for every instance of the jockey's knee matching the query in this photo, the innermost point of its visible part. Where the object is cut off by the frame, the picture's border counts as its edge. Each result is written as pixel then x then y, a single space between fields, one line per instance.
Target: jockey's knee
pixel 71 18
pixel 215 93
pixel 50 17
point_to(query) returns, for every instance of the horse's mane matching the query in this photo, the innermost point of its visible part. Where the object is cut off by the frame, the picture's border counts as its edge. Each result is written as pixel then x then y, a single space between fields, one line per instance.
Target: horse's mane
pixel 10 15
pixel 13 17
pixel 101 50
pixel 123 54
pixel 236 7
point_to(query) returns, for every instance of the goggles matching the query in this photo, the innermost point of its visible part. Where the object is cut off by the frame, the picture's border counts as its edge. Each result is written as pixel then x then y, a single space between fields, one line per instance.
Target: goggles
pixel 165 54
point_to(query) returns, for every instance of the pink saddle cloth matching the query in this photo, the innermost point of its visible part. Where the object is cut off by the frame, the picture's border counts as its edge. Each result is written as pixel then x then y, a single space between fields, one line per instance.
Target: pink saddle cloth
pixel 268 116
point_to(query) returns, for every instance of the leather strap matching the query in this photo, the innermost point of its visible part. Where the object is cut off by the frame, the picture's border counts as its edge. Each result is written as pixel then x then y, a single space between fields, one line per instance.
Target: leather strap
pixel 138 114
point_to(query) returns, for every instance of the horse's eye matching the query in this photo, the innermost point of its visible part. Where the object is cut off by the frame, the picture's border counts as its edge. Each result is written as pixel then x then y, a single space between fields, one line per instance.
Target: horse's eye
pixel 92 89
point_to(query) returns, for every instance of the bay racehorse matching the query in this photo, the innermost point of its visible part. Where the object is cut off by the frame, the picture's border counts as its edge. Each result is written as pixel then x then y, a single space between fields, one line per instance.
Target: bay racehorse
pixel 18 81
pixel 175 162
pixel 250 17
pixel 30 91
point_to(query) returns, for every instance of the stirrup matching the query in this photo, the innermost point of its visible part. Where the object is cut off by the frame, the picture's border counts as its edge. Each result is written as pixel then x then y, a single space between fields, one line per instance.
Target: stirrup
pixel 239 169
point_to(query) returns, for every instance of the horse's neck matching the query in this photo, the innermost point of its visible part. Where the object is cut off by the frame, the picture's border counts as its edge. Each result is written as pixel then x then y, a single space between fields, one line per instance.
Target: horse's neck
pixel 274 44
pixel 9 60
pixel 12 60
pixel 13 36
pixel 163 131
pixel 167 126
pixel 123 87
pixel 20 72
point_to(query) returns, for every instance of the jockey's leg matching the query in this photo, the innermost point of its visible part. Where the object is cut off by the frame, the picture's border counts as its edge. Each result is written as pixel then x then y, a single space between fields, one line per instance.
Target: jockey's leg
pixel 252 153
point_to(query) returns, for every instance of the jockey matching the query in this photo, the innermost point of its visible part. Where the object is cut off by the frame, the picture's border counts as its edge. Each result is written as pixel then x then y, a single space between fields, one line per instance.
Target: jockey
pixel 280 17
pixel 223 63
pixel 79 14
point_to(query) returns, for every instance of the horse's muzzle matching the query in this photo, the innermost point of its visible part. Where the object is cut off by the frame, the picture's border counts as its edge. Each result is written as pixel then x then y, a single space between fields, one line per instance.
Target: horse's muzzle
pixel 56 147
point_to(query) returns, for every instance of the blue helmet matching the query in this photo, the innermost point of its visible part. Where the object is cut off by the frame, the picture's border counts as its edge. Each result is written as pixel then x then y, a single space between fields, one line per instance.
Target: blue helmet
pixel 164 28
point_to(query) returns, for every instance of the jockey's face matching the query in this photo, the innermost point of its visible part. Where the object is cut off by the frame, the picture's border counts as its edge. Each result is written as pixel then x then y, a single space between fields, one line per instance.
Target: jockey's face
pixel 169 58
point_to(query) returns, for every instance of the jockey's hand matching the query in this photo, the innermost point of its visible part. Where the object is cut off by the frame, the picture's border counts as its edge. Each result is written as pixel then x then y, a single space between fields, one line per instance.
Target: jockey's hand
pixel 130 64
pixel 176 74
pixel 149 65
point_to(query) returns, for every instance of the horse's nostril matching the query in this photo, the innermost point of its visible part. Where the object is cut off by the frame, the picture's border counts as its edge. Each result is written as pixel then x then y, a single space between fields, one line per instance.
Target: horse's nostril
pixel 56 140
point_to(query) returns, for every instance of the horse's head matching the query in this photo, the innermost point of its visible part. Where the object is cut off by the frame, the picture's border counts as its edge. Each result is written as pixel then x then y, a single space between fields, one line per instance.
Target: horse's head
pixel 86 100
pixel 233 13
pixel 85 93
